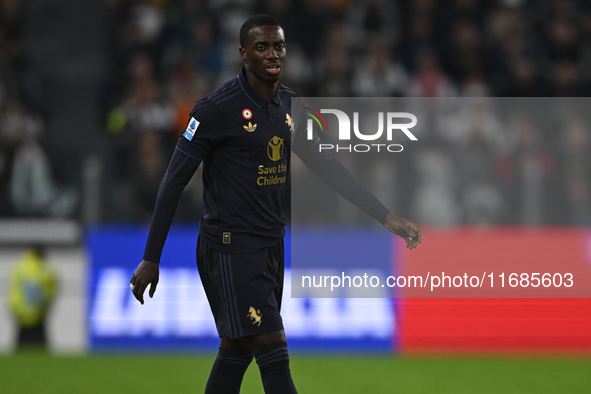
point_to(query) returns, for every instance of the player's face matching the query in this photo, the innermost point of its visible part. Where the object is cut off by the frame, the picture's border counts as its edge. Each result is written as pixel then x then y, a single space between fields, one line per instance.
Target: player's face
pixel 264 53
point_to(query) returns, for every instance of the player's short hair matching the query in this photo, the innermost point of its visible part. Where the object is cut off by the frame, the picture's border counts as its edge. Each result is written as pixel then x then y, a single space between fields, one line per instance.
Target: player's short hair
pixel 256 21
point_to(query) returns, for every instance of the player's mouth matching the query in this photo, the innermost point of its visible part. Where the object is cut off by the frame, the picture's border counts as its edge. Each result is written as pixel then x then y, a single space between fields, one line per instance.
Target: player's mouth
pixel 273 68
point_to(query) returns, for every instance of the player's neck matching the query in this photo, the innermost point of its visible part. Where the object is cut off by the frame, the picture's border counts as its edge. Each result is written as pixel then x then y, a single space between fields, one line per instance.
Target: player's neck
pixel 265 89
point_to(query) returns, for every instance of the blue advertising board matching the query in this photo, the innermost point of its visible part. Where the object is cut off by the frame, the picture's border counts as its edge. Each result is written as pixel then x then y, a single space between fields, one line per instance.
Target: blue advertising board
pixel 178 318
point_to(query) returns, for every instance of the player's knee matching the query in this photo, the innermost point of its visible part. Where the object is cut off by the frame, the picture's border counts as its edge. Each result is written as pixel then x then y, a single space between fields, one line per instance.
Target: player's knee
pixel 235 359
pixel 274 356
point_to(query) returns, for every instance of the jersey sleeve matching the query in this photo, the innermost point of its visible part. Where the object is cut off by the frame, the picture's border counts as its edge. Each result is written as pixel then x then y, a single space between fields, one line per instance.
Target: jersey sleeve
pixel 332 172
pixel 201 134
pixel 180 171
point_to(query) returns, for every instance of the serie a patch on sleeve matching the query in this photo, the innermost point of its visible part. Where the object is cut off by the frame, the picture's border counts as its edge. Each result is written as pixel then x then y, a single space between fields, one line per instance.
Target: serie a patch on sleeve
pixel 191 127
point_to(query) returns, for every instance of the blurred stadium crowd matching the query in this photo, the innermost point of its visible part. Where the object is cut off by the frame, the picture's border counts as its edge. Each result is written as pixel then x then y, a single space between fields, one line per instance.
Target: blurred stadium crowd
pixel 166 54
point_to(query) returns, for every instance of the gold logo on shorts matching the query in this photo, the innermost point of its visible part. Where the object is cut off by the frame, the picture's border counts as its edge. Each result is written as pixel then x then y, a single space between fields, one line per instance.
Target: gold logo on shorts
pixel 275 148
pixel 255 315
pixel 226 238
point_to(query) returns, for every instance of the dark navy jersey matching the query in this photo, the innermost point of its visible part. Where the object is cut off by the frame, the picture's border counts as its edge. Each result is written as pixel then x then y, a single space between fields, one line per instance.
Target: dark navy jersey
pixel 244 141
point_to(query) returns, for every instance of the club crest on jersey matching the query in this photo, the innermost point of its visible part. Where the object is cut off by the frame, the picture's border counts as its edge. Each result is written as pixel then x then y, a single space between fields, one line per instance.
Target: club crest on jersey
pixel 250 128
pixel 255 316
pixel 289 122
pixel 246 113
pixel 191 128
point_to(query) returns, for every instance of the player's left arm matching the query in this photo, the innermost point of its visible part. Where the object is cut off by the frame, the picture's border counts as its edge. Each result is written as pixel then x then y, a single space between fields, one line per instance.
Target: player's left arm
pixel 404 228
pixel 332 172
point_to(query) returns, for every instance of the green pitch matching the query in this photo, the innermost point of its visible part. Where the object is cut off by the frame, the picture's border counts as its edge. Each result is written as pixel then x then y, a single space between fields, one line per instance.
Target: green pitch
pixel 41 373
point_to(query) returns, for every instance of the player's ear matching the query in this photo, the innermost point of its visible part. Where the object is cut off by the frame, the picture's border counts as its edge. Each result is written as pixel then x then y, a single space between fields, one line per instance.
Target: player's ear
pixel 242 54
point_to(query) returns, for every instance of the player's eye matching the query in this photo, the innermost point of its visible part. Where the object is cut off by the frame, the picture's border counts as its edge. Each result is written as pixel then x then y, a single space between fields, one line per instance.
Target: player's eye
pixel 261 48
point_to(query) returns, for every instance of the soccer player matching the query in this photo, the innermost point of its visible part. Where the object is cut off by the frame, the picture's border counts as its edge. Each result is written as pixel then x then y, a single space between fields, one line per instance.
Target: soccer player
pixel 243 134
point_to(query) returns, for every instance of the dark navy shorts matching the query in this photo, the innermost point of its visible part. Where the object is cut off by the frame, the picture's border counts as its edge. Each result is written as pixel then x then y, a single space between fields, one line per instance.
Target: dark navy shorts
pixel 244 290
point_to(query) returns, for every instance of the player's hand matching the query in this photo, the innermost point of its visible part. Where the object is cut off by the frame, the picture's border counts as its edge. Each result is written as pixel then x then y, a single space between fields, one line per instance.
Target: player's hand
pixel 405 229
pixel 146 274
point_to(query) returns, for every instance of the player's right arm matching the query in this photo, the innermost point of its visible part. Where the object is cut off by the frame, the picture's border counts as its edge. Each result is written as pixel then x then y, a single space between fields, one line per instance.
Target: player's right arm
pixel 180 171
pixel 193 146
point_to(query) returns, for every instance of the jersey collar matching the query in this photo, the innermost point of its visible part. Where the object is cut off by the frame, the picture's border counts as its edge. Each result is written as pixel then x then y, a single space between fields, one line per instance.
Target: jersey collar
pixel 258 99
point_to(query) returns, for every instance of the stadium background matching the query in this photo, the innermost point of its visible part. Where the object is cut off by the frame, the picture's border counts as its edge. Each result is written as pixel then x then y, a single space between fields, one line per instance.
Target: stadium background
pixel 95 93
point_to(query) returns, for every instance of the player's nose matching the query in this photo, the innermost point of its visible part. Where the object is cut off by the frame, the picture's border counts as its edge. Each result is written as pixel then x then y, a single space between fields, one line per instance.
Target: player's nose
pixel 273 54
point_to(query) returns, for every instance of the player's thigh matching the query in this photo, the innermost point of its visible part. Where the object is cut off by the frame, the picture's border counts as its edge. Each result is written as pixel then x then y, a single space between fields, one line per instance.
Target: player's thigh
pixel 254 343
